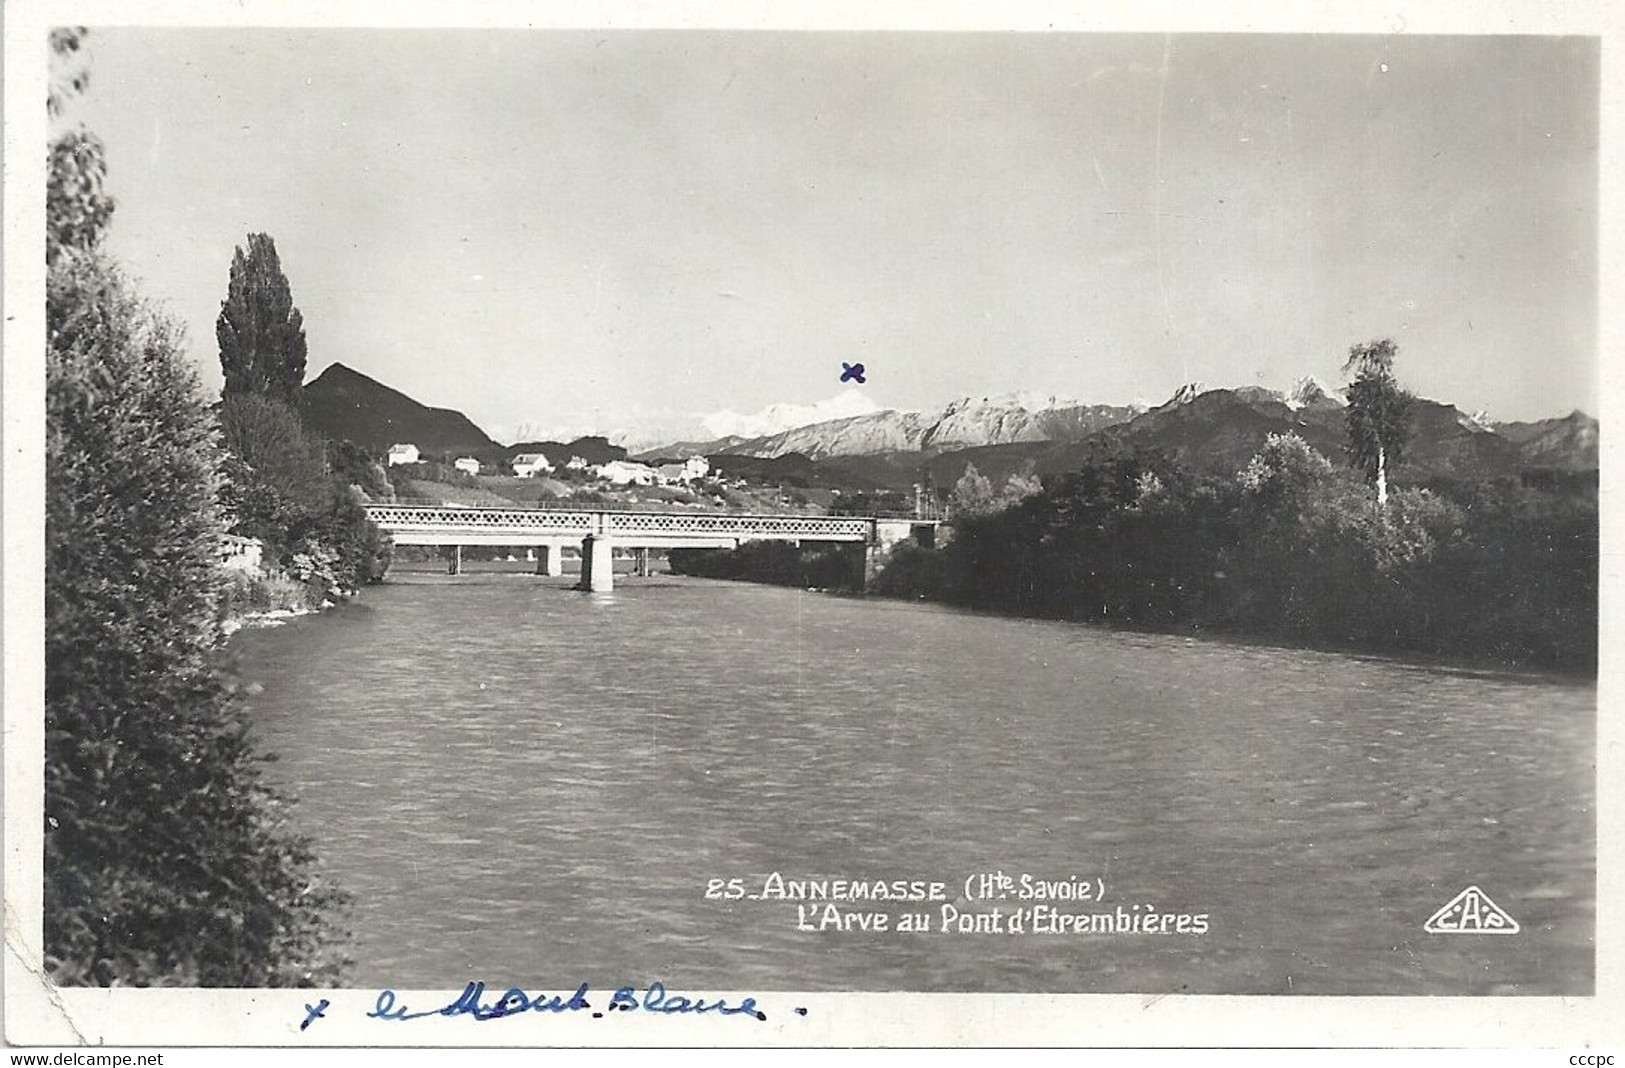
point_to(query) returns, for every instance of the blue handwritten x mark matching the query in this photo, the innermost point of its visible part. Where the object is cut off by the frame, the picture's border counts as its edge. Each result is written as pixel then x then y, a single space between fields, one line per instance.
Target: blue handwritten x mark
pixel 852 372
pixel 314 1012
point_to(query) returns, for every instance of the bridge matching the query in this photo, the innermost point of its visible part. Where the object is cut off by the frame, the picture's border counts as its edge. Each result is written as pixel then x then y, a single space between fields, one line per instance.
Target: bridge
pixel 599 532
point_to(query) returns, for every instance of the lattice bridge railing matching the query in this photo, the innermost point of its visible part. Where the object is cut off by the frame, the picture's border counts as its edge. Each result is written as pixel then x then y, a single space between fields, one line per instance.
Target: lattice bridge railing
pixel 616 524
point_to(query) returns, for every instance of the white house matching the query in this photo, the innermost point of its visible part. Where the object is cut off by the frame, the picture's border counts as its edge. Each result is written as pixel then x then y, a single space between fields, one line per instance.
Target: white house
pixel 467 465
pixel 530 464
pixel 626 473
pixel 690 469
pixel 576 464
pixel 403 454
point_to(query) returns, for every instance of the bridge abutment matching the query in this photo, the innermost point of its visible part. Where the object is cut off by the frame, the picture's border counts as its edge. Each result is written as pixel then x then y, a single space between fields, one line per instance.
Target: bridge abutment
pixel 597 564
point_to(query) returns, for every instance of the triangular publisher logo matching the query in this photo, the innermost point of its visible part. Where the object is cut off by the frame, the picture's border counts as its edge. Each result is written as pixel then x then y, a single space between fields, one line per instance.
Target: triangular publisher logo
pixel 1471 912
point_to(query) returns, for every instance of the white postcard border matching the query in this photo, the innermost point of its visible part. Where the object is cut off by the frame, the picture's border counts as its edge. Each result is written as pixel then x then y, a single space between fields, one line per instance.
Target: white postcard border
pixel 36 1013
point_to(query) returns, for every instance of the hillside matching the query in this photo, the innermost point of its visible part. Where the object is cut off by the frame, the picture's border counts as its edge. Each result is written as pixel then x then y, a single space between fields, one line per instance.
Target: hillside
pixel 682 450
pixel 1218 430
pixel 347 405
pixel 594 450
pixel 897 471
pixel 1568 443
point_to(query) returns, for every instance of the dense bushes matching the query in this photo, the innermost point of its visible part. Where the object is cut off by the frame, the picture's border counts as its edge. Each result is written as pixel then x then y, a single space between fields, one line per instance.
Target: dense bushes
pixel 912 572
pixel 773 562
pixel 167 859
pixel 249 594
pixel 1520 583
pixel 354 466
pixel 283 488
pixel 1291 548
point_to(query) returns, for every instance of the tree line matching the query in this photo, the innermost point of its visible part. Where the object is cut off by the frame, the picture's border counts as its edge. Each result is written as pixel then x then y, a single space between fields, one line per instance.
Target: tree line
pixel 168 859
pixel 1293 547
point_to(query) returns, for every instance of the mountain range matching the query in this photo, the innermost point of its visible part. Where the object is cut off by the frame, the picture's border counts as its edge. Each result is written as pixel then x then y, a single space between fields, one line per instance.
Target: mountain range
pixel 1219 430
pixel 962 423
pixel 1214 429
pixel 1568 442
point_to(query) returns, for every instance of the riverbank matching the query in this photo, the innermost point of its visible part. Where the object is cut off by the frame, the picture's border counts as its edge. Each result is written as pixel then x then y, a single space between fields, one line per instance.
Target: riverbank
pixel 260 598
pixel 273 618
pixel 912 573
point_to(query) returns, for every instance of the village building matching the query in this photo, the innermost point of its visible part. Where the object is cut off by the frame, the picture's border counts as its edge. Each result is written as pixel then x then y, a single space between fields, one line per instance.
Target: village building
pixel 403 454
pixel 531 464
pixel 467 465
pixel 626 473
pixel 690 469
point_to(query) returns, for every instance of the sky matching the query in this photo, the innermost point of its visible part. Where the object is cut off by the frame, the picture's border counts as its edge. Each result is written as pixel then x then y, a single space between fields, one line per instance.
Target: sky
pixel 559 231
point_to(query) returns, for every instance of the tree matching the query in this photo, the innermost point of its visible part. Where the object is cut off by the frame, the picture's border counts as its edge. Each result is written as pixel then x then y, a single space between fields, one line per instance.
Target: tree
pixel 261 333
pixel 1379 412
pixel 354 466
pixel 69 75
pixel 276 469
pixel 973 494
pixel 1018 487
pixel 77 211
pixel 167 859
pixel 1283 472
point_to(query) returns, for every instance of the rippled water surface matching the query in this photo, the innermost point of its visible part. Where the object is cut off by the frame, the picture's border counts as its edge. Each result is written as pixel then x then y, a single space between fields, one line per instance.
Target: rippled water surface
pixel 528 785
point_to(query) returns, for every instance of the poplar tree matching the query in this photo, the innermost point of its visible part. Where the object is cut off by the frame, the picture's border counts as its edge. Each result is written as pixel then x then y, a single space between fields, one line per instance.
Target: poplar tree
pixel 261 333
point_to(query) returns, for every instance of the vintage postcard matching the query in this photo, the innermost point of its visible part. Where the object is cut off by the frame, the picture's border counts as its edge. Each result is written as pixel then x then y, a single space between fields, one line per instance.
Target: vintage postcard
pixel 562 526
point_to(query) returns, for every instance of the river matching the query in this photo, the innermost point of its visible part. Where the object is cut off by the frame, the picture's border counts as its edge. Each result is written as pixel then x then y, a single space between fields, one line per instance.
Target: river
pixel 529 785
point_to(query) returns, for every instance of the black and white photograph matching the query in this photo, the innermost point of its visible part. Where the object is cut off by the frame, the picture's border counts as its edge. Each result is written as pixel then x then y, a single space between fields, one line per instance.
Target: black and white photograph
pixel 672 526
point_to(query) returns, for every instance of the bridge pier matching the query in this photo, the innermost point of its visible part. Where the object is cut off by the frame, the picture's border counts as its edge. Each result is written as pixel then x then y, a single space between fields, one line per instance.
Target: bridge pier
pixel 455 567
pixel 640 562
pixel 597 564
pixel 550 560
pixel 867 564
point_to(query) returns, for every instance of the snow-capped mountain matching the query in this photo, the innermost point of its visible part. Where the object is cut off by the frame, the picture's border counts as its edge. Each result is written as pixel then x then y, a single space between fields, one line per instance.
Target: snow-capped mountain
pixel 847 424
pixel 1311 392
pixel 966 422
pixel 777 418
pixel 1183 395
pixel 1306 392
pixel 641 430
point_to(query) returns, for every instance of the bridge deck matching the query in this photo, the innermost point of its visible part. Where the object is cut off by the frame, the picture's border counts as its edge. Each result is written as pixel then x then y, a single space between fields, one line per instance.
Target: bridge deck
pixel 444 524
